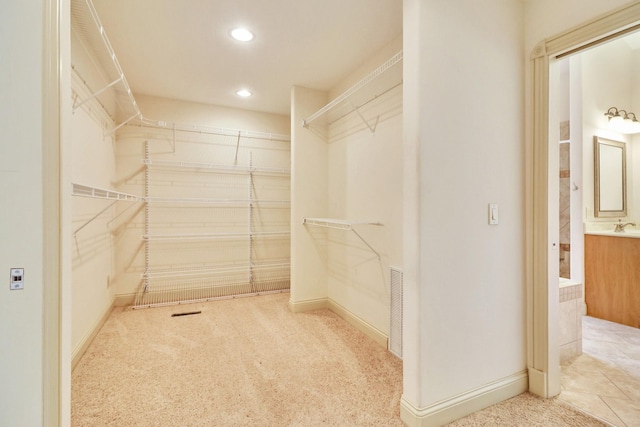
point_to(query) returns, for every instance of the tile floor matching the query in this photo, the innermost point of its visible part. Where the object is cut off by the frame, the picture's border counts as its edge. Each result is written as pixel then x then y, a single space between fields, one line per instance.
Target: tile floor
pixel 605 380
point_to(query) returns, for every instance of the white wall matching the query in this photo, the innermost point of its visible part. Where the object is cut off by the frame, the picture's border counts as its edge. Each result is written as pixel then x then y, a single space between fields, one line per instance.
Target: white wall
pixel 21 214
pixel 93 164
pixel 365 184
pixel 309 198
pixel 465 326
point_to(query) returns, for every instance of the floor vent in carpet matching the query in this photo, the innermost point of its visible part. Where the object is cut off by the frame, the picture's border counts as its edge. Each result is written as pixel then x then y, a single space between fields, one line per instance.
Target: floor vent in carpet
pixel 188 313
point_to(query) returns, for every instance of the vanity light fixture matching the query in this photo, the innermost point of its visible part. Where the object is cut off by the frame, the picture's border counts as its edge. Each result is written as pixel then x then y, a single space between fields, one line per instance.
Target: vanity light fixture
pixel 244 93
pixel 622 121
pixel 241 34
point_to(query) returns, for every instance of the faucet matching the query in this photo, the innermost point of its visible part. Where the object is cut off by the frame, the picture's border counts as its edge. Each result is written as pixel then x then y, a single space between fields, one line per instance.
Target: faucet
pixel 620 226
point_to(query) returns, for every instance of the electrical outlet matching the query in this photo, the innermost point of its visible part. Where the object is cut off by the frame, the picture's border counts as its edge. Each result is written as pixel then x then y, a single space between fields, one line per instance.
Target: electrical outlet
pixel 17 279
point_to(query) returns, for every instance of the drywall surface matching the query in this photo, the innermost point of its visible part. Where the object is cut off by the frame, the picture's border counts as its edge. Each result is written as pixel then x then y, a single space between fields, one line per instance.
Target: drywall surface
pixel 92 164
pixel 199 217
pixel 365 188
pixel 21 215
pixel 309 184
pixel 464 279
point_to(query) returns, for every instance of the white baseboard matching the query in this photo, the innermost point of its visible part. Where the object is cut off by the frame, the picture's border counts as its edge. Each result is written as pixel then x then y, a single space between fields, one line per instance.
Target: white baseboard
pixel 464 404
pixel 355 321
pixel 361 325
pixel 308 305
pixel 82 347
pixel 124 300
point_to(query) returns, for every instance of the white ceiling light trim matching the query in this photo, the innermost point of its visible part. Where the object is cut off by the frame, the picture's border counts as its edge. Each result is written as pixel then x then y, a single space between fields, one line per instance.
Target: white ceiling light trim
pixel 244 93
pixel 241 34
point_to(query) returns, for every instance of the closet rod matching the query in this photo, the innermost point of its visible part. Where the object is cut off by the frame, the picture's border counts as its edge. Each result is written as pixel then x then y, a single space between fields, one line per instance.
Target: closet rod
pixel 353 89
pixel 217 268
pixel 237 133
pixel 220 168
pixel 229 202
pixel 215 236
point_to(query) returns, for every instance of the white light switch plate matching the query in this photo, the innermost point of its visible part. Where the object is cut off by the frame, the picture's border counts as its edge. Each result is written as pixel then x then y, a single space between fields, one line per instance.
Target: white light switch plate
pixel 493 214
pixel 17 279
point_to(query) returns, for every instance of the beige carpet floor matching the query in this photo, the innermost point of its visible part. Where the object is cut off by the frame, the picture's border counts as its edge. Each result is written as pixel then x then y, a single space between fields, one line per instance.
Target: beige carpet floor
pixel 241 362
pixel 251 362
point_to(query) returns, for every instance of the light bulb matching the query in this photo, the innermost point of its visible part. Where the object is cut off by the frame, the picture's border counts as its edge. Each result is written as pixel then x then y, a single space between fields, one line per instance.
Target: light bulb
pixel 242 34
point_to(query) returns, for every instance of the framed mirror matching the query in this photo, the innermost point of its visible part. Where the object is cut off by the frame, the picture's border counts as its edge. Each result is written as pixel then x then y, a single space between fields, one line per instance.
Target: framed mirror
pixel 610 186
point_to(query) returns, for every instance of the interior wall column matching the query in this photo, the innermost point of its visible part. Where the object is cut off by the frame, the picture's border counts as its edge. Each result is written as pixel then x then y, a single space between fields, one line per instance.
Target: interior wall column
pixel 309 198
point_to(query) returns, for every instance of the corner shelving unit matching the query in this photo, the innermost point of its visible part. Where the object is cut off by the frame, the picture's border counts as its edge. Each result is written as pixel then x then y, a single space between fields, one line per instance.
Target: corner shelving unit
pixel 177 280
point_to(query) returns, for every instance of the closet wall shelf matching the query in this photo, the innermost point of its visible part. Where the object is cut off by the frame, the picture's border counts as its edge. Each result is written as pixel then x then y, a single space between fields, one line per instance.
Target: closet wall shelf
pixel 341 224
pixel 214 236
pixel 101 193
pixel 209 130
pixel 344 98
pixel 220 202
pixel 217 168
pixel 86 21
pixel 217 269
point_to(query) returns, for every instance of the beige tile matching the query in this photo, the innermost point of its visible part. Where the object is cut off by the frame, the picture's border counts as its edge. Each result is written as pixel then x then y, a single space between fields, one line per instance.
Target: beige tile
pixel 628 412
pixel 628 384
pixel 570 350
pixel 591 404
pixel 567 318
pixel 596 383
pixel 586 364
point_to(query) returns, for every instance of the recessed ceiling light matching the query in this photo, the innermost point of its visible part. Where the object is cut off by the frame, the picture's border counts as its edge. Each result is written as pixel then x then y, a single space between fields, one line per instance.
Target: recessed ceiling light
pixel 244 93
pixel 242 34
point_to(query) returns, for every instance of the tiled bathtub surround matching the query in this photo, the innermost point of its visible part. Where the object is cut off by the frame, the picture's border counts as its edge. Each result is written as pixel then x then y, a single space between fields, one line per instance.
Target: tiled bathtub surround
pixel 570 319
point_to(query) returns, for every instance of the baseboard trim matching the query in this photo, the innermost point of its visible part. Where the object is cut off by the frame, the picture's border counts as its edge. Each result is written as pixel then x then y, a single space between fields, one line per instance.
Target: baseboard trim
pixel 463 404
pixel 358 323
pixel 124 300
pixel 81 349
pixel 308 305
pixel 538 382
pixel 355 321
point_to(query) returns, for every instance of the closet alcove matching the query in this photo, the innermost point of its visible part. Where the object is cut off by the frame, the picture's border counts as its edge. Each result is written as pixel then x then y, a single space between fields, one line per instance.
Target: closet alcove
pixel 175 202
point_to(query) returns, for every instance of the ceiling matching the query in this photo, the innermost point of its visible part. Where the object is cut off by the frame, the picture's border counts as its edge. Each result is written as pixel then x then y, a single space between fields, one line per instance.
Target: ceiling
pixel 182 49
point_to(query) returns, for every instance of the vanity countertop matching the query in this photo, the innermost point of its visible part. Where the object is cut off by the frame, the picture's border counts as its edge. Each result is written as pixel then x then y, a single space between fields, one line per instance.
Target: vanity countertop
pixel 626 233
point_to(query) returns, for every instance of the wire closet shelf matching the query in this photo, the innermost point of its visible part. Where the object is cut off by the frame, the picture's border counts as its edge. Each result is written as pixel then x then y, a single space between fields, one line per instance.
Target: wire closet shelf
pixel 86 21
pixel 354 98
pixel 341 224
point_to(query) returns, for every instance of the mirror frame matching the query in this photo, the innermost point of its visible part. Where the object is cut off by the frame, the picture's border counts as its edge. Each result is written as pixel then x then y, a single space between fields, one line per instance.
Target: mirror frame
pixel 599 170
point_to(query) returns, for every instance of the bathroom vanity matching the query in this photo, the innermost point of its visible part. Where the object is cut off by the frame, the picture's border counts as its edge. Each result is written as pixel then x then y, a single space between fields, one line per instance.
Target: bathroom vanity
pixel 612 276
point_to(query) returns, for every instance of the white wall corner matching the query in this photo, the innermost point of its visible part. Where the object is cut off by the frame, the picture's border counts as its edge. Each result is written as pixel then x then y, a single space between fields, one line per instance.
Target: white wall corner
pixel 86 341
pixel 372 332
pixel 463 404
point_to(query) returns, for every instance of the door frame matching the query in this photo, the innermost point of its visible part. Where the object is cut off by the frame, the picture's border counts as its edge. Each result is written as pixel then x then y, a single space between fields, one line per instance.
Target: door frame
pixel 542 295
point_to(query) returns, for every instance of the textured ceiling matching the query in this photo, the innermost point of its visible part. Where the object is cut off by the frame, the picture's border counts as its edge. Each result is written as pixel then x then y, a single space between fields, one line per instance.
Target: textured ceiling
pixel 182 49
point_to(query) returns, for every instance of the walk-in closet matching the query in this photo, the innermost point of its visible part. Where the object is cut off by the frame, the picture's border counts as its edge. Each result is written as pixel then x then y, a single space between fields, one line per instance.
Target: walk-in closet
pixel 178 204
